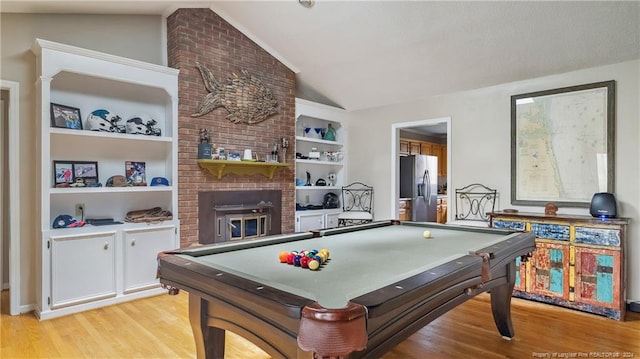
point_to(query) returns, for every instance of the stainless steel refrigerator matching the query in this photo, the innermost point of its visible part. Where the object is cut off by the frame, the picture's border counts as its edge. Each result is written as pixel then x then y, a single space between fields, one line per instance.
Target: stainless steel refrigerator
pixel 419 182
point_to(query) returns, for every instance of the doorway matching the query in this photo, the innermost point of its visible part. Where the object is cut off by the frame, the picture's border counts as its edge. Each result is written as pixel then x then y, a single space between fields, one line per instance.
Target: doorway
pixel 437 129
pixel 10 195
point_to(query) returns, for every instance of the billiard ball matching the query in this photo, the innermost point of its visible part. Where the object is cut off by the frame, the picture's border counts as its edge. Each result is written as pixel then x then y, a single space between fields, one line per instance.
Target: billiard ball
pixel 304 262
pixel 426 234
pixel 296 260
pixel 282 256
pixel 313 264
pixel 290 258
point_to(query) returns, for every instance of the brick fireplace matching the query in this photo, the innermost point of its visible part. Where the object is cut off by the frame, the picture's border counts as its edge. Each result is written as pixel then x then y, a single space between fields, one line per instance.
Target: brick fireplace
pixel 200 35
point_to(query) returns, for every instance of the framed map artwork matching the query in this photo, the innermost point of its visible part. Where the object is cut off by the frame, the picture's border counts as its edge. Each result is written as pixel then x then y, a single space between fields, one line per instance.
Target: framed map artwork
pixel 562 145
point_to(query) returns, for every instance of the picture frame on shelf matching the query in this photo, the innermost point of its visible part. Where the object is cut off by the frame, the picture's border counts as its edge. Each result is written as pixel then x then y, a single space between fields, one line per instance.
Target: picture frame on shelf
pixel 136 173
pixel 85 170
pixel 74 173
pixel 62 173
pixel 64 116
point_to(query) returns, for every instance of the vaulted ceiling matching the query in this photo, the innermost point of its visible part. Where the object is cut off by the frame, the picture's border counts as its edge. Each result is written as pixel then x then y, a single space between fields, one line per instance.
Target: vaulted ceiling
pixel 364 54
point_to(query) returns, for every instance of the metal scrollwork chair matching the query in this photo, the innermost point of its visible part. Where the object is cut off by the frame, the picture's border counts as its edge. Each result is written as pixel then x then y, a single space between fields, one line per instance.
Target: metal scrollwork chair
pixel 357 200
pixel 473 203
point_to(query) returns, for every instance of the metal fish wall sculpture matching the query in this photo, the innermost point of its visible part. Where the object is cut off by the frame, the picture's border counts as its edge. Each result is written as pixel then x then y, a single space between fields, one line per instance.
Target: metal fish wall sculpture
pixel 245 97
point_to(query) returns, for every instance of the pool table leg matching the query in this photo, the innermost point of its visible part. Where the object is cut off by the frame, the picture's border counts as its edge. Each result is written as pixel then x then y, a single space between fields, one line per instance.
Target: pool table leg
pixel 501 303
pixel 202 333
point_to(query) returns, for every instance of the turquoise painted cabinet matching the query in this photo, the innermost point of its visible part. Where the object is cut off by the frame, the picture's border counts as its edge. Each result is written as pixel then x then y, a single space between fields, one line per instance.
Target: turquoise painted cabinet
pixel 578 261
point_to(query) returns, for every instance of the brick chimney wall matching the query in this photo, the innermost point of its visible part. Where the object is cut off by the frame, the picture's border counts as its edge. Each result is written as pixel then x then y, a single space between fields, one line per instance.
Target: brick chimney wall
pixel 200 35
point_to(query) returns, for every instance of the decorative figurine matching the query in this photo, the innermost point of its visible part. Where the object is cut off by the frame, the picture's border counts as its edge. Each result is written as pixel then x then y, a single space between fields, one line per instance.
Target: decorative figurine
pixel 332 177
pixel 330 133
pixel 550 209
pixel 204 136
pixel 308 179
pixel 284 144
pixel 204 147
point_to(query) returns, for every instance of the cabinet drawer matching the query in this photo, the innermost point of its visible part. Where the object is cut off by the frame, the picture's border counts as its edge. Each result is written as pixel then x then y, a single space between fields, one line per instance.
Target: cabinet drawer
pixel 511 225
pixel 599 236
pixel 551 231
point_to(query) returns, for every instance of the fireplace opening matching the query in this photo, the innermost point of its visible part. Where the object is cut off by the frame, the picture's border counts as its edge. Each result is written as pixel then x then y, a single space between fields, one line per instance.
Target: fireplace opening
pixel 234 215
pixel 234 222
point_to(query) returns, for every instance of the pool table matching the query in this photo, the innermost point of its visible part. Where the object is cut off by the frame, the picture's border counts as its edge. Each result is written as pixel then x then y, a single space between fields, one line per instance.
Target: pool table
pixel 383 282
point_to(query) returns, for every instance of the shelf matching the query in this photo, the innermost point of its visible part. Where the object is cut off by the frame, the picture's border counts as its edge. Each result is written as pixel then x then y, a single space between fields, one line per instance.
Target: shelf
pixel 93 135
pixel 85 190
pixel 219 168
pixel 318 187
pixel 318 162
pixel 317 140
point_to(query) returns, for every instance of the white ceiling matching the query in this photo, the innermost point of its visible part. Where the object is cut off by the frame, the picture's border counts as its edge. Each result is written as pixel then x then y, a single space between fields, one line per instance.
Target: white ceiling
pixel 364 54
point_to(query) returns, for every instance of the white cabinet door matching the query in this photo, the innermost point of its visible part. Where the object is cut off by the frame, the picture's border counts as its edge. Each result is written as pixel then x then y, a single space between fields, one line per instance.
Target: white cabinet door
pixel 141 248
pixel 331 220
pixel 307 222
pixel 82 268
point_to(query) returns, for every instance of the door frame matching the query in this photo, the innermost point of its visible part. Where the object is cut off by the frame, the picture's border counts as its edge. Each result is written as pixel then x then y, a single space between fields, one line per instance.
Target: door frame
pixel 395 147
pixel 14 193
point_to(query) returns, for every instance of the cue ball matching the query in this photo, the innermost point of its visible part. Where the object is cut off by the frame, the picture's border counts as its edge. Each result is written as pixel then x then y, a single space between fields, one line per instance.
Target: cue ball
pixel 426 234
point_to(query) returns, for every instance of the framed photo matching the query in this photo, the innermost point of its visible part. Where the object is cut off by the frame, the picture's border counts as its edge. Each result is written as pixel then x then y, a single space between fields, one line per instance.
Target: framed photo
pixel 62 173
pixel 136 173
pixel 74 173
pixel 65 116
pixel 87 171
pixel 562 145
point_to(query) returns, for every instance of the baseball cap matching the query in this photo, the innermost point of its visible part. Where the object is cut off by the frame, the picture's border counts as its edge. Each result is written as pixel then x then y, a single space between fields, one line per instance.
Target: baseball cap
pixel 159 181
pixel 63 221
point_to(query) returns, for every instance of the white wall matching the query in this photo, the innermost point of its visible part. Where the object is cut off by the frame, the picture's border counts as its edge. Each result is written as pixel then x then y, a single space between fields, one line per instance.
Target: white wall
pixel 136 37
pixel 481 144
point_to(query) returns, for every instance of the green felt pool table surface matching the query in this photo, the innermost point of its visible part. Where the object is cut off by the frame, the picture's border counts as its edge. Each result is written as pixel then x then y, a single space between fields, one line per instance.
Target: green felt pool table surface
pixel 360 261
pixel 383 282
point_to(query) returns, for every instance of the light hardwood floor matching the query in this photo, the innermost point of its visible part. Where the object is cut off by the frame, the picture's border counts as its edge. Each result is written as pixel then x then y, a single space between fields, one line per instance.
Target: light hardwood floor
pixel 158 327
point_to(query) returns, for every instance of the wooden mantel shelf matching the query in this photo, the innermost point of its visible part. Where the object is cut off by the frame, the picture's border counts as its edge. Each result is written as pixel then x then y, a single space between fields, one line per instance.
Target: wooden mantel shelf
pixel 219 168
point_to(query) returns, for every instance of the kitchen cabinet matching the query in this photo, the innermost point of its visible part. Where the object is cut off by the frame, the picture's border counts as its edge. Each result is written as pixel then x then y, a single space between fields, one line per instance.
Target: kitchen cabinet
pixel 414 147
pixel 404 209
pixel 405 147
pixel 441 210
pixel 90 266
pixel 442 161
pixel 578 263
pixel 426 148
pixel 330 166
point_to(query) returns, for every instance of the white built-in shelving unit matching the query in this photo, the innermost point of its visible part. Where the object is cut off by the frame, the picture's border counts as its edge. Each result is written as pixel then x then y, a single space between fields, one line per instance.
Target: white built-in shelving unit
pixel 92 266
pixel 312 115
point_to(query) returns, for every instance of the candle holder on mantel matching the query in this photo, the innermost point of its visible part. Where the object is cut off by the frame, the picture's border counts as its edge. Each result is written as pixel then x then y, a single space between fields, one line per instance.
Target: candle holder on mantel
pixel 284 144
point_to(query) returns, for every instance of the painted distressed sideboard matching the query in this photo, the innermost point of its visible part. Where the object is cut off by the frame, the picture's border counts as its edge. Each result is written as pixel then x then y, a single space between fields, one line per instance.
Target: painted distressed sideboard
pixel 579 261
